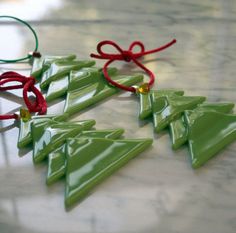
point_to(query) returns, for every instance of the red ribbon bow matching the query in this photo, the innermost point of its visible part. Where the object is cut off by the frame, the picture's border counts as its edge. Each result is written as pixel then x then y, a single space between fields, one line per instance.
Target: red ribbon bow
pixel 127 55
pixel 27 83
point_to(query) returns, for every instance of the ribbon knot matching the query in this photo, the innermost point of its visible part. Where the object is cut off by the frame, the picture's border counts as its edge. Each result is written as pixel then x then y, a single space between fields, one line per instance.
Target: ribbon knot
pixel 126 55
pixel 28 85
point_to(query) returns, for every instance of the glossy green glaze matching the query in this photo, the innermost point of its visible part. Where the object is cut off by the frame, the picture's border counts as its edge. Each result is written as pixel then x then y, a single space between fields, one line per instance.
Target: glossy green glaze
pixel 79 99
pixel 43 63
pixel 37 67
pixel 145 107
pixel 48 137
pixel 209 132
pixel 56 165
pixel 106 133
pixel 87 76
pixel 76 79
pixel 57 158
pixel 24 137
pixel 168 108
pixel 91 160
pixel 57 88
pixel 178 131
pixel 59 69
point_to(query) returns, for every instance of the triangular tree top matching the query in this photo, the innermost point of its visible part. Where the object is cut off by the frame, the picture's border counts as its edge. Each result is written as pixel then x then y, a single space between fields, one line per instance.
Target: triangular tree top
pixel 24 137
pixel 48 137
pixel 145 107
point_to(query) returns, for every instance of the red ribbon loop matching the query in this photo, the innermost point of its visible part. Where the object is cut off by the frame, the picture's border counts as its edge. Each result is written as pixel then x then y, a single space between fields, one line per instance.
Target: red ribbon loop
pixel 28 85
pixel 126 55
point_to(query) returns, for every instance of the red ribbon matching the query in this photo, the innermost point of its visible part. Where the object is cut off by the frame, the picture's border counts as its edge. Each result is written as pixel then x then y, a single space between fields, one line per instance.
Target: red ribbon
pixel 127 55
pixel 27 83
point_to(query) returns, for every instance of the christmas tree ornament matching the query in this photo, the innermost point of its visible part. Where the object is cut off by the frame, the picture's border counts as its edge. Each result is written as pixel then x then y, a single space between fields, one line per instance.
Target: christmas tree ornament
pixel 81 98
pixel 47 134
pixel 51 135
pixel 91 160
pixel 178 129
pixel 60 69
pixel 86 156
pixel 166 109
pixel 57 158
pixel 41 64
pixel 145 106
pixel 208 133
pixel 24 137
pixel 164 105
pixel 77 79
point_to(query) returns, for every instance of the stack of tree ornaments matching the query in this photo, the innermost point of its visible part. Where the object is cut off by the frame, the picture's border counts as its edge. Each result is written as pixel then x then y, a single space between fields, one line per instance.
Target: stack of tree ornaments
pixel 75 150
pixel 205 127
pixel 85 156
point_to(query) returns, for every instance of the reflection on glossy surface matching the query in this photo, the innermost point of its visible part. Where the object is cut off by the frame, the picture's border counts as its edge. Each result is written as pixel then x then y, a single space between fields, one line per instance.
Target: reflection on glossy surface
pixel 171 108
pixel 56 165
pixel 145 107
pixel 43 63
pixel 178 130
pixel 57 88
pixel 24 137
pixel 204 144
pixel 89 161
pixel 59 69
pixel 84 77
pixel 87 76
pixel 50 136
pixel 75 80
pixel 57 158
pixel 78 100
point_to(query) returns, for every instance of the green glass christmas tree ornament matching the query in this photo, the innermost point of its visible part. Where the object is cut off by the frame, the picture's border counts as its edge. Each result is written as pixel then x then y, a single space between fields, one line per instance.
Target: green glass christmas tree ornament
pixel 57 88
pixel 24 137
pixel 79 99
pixel 91 160
pixel 168 108
pixel 178 131
pixel 76 79
pixel 86 76
pixel 50 136
pixel 41 64
pixel 208 133
pixel 145 106
pixel 60 69
pixel 57 158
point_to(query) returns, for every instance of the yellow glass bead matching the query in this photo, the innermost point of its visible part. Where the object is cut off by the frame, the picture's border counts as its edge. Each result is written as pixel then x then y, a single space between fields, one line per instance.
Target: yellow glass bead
pixel 25 114
pixel 144 88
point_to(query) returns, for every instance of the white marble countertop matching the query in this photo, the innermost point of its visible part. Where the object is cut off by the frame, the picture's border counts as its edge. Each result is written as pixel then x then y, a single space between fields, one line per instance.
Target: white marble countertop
pixel 157 192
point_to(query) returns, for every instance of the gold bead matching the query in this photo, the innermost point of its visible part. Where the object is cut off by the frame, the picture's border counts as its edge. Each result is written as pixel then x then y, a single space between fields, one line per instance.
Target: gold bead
pixel 25 114
pixel 144 88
